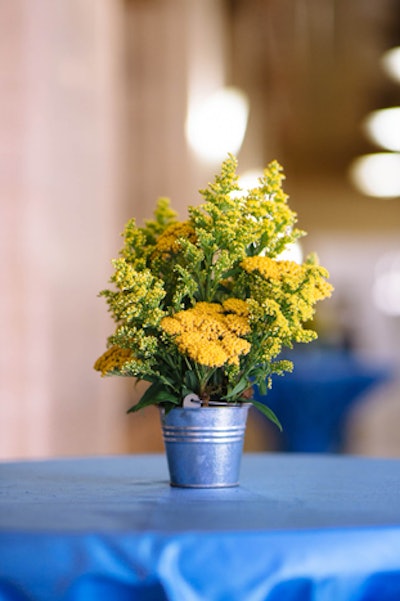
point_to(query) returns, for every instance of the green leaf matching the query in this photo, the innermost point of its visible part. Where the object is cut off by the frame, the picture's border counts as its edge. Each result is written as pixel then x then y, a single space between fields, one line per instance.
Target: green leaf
pixel 191 381
pixel 154 395
pixel 238 389
pixel 268 413
pixel 262 385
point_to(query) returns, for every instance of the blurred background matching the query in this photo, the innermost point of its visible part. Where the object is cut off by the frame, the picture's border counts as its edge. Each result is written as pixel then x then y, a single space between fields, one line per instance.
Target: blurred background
pixel 106 105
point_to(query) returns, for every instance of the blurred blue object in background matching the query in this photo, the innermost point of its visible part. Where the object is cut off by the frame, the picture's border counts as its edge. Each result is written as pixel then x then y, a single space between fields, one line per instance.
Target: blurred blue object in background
pixel 313 402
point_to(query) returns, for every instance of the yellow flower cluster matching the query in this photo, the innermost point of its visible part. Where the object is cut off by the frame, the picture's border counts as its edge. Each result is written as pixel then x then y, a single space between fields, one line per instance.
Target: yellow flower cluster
pixel 288 292
pixel 139 241
pixel 237 306
pixel 164 216
pixel 289 271
pixel 138 296
pixel 306 280
pixel 168 242
pixel 209 334
pixel 112 360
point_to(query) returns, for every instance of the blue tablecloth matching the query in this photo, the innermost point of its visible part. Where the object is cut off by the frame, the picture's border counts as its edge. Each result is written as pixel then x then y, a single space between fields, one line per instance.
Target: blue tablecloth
pixel 299 528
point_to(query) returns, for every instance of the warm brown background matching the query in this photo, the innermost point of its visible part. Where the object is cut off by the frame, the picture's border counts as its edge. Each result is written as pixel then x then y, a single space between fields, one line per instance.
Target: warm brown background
pixel 93 99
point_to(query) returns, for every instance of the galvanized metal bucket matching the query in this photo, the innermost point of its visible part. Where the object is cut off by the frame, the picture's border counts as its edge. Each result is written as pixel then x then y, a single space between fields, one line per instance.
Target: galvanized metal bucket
pixel 204 445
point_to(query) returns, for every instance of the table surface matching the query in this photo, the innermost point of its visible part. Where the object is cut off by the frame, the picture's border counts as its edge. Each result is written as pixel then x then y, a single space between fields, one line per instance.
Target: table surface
pixel 320 527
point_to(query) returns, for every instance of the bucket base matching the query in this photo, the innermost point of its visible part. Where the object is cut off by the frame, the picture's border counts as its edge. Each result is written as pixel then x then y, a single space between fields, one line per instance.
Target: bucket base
pixel 204 485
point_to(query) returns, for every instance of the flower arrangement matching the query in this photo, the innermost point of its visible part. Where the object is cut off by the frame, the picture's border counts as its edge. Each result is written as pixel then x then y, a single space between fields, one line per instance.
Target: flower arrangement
pixel 205 306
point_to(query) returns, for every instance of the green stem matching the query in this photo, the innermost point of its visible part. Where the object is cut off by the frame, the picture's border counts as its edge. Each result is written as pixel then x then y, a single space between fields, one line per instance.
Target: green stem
pixel 204 374
pixel 209 270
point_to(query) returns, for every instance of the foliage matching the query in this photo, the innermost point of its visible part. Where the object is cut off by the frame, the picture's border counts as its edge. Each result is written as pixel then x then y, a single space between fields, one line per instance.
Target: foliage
pixel 205 306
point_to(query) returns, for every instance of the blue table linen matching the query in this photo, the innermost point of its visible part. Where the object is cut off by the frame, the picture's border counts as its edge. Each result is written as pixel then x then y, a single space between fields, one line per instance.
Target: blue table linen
pixel 299 528
pixel 314 401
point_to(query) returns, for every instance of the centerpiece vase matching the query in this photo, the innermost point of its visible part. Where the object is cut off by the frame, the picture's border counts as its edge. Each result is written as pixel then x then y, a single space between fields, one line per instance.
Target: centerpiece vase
pixel 204 445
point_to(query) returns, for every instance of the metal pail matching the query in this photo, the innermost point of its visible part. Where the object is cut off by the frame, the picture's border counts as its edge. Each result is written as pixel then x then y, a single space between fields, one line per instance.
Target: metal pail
pixel 204 445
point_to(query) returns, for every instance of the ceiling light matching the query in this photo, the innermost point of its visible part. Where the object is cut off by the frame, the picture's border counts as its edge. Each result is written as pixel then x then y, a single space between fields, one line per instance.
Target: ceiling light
pixel 217 126
pixel 377 174
pixel 391 63
pixel 383 128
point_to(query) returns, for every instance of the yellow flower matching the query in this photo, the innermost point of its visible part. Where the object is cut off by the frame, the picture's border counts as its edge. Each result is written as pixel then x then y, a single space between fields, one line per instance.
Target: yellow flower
pixel 112 360
pixel 208 308
pixel 235 347
pixel 208 335
pixel 168 242
pixel 236 305
pixel 271 349
pixel 273 269
pixel 237 324
pixel 204 351
pixel 171 326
